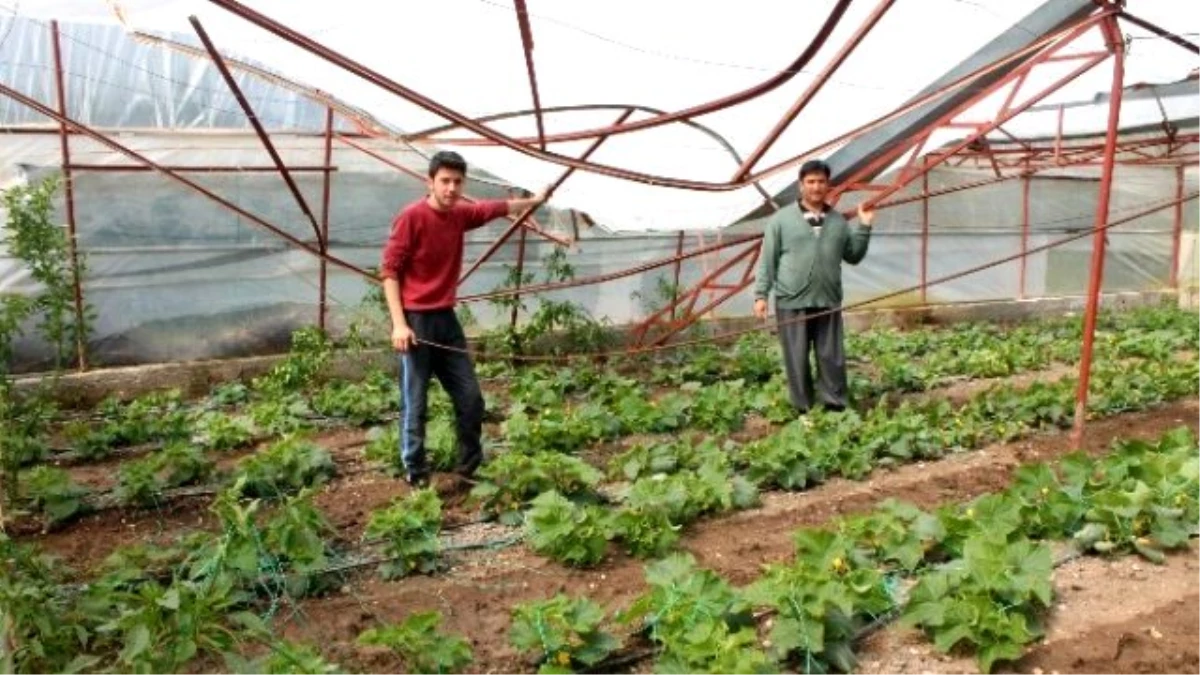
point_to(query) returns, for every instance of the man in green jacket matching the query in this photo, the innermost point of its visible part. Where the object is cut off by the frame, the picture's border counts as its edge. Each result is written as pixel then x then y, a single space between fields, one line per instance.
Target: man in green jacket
pixel 803 247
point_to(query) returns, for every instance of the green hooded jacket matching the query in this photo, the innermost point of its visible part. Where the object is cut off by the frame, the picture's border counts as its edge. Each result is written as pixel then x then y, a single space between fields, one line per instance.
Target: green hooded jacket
pixel 804 268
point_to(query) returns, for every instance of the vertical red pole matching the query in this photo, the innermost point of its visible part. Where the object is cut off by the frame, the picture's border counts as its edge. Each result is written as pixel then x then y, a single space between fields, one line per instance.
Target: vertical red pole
pixel 924 228
pixel 1177 233
pixel 1025 184
pixel 322 300
pixel 1058 136
pixel 1099 237
pixel 678 266
pixel 512 319
pixel 69 199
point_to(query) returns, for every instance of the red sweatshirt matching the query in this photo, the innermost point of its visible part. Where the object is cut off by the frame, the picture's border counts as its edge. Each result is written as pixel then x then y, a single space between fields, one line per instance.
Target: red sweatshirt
pixel 425 250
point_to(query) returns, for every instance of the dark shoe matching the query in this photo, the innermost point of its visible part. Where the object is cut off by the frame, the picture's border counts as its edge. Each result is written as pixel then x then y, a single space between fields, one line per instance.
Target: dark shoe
pixel 467 469
pixel 418 481
pixel 452 483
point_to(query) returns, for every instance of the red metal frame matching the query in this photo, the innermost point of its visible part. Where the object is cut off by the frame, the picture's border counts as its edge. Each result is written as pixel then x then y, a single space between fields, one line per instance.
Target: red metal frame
pixel 678 271
pixel 1026 183
pixel 512 319
pixel 660 327
pixel 642 332
pixel 811 91
pixel 530 223
pixel 1177 229
pixel 69 199
pixel 782 77
pixel 524 146
pixel 527 47
pixel 611 276
pixel 979 129
pixel 258 127
pixel 707 131
pixel 179 168
pixel 1117 46
pixel 1088 153
pixel 911 170
pixel 924 231
pixel 325 200
pixel 529 211
pixel 115 146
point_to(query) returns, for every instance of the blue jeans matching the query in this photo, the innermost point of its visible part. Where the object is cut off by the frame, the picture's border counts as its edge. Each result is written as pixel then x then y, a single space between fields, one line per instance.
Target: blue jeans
pixel 456 372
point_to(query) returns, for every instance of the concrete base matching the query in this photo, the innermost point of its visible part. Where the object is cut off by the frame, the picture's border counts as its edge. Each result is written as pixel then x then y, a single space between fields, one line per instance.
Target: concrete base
pixel 996 310
pixel 1187 271
pixel 193 378
pixel 1010 310
pixel 197 378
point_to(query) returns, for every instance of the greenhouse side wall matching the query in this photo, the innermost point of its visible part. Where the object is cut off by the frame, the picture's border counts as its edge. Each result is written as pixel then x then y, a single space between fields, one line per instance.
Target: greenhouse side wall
pixel 173 276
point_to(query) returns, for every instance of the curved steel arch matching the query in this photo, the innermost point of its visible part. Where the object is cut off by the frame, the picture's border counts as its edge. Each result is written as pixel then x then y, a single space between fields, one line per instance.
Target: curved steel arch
pixel 513 114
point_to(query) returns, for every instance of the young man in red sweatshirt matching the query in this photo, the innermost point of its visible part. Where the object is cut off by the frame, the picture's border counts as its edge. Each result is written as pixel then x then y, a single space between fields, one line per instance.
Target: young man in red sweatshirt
pixel 421 264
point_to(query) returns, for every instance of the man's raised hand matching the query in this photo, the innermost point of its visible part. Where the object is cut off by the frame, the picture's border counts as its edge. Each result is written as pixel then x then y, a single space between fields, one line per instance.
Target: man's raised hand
pixel 866 216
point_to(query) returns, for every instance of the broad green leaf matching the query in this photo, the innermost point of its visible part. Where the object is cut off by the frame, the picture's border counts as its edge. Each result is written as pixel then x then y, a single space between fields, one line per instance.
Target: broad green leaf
pixel 137 641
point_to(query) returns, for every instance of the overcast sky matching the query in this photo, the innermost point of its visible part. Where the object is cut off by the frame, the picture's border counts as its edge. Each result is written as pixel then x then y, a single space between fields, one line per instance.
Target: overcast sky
pixel 668 54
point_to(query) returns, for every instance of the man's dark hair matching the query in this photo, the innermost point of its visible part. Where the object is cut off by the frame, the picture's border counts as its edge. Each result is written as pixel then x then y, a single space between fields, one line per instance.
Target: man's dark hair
pixel 815 166
pixel 447 160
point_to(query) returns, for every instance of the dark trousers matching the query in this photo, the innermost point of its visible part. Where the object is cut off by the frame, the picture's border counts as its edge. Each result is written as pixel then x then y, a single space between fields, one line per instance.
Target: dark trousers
pixel 821 332
pixel 456 372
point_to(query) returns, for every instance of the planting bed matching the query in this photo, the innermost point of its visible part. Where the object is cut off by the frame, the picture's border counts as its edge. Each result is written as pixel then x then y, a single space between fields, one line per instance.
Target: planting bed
pixel 262 527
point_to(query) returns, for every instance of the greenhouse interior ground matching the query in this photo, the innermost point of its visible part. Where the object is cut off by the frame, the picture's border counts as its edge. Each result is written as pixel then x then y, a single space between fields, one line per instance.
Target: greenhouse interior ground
pixel 201 412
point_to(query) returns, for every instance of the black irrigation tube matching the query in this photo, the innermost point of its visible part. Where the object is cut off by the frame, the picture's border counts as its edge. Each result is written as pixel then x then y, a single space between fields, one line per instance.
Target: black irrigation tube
pixel 107 500
pixel 63 456
pixel 495 543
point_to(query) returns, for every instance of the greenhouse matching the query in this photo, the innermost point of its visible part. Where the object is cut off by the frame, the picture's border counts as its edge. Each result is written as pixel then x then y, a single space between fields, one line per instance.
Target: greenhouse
pixel 205 425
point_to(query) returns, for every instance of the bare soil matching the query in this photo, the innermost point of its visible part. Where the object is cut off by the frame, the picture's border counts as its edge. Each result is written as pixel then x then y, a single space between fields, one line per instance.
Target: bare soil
pixel 1111 615
pixel 478 592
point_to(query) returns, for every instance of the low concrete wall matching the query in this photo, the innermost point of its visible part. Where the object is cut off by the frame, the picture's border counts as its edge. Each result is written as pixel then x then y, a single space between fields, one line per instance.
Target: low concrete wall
pixel 196 378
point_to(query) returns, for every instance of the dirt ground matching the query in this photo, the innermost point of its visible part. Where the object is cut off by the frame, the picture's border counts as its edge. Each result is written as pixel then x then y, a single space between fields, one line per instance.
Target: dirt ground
pixel 1119 615
pixel 476 595
pixel 1124 615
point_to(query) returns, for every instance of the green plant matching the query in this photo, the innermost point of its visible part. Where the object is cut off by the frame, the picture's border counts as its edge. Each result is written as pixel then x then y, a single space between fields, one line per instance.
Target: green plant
pixel 510 480
pixel 409 529
pixel 821 601
pixel 32 237
pixel 286 466
pixel 702 624
pixel 567 532
pixel 50 490
pixel 423 647
pixel 659 297
pixel 284 657
pixel 556 326
pixel 992 598
pixel 310 354
pixel 562 633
